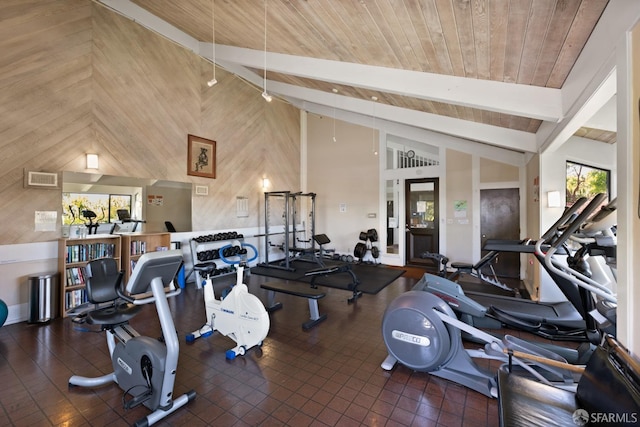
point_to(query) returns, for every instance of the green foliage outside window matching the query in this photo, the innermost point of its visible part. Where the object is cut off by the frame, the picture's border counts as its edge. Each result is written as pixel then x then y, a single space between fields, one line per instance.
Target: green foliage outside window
pixel 585 181
pixel 105 206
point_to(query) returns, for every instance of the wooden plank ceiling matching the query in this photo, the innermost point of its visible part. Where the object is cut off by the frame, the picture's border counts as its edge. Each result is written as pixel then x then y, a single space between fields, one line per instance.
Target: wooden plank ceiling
pixel 527 43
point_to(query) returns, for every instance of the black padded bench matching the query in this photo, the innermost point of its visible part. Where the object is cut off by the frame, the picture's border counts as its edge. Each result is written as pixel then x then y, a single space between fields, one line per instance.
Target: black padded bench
pixel 607 394
pixel 298 290
pixel 337 269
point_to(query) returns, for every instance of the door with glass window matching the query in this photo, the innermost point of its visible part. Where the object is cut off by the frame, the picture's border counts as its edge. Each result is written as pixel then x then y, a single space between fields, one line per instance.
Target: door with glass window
pixel 421 221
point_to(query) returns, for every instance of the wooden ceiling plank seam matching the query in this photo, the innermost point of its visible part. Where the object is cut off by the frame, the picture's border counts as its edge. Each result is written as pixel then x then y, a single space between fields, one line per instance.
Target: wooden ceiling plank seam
pixel 465 34
pixel 498 25
pixel 286 23
pixel 538 26
pixel 563 18
pixel 173 12
pixel 379 47
pixel 423 45
pixel 519 11
pixel 393 34
pixel 347 37
pixel 481 34
pixel 575 41
pixel 434 26
pixel 357 32
pixel 152 22
pixel 235 25
pixel 447 19
pixel 322 24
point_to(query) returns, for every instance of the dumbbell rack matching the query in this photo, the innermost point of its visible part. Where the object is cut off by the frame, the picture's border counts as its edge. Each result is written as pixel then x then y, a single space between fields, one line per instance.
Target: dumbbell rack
pixel 367 251
pixel 205 251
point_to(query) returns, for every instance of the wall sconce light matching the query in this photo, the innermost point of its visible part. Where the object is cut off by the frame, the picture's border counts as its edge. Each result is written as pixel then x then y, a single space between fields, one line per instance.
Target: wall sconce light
pixel 553 199
pixel 265 183
pixel 92 161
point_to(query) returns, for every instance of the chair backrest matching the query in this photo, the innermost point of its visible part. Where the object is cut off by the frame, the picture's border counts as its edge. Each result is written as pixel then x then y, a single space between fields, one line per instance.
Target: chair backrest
pixel 610 383
pixel 170 227
pixel 103 278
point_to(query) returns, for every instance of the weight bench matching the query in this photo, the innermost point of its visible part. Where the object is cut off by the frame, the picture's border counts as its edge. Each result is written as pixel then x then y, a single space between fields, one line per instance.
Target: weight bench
pixel 342 268
pixel 298 290
pixel 607 394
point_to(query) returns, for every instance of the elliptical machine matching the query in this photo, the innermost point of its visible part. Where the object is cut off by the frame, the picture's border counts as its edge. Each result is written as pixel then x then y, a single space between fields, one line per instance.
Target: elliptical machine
pixel 566 319
pixel 238 315
pixel 144 367
pixel 423 333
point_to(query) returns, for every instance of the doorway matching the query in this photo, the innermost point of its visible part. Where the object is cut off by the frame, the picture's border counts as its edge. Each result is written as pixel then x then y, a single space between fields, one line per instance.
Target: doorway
pixel 500 219
pixel 422 221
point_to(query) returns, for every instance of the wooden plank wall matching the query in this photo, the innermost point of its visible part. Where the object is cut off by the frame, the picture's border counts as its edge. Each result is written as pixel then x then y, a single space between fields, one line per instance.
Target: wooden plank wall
pixel 77 78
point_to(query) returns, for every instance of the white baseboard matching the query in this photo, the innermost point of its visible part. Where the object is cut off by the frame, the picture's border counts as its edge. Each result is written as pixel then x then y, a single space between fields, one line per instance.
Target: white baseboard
pixel 17 313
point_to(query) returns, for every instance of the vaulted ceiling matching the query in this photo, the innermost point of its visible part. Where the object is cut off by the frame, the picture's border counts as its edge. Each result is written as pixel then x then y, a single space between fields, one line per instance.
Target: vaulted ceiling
pixel 522 75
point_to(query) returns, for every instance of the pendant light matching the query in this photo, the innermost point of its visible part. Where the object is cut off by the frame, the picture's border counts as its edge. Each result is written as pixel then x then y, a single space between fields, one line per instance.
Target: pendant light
pixel 213 81
pixel 265 94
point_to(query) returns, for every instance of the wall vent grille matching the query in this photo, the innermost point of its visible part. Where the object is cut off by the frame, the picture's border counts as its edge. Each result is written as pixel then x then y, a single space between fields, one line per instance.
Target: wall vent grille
pixel 41 179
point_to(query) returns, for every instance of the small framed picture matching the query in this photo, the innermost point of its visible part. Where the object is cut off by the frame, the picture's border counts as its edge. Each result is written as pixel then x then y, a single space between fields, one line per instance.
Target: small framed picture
pixel 201 157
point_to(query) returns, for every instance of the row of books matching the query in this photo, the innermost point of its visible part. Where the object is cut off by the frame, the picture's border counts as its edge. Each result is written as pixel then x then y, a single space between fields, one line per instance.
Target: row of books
pixel 87 252
pixel 75 276
pixel 139 247
pixel 75 298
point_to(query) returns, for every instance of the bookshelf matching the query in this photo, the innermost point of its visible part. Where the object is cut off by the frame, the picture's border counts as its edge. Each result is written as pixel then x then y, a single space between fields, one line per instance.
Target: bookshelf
pixel 73 256
pixel 136 244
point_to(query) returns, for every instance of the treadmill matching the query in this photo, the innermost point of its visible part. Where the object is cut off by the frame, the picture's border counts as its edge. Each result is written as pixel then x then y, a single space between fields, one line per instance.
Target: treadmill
pixel 563 320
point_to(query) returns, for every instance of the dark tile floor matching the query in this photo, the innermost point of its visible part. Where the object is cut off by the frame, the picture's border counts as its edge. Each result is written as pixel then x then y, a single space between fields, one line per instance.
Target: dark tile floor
pixel 328 376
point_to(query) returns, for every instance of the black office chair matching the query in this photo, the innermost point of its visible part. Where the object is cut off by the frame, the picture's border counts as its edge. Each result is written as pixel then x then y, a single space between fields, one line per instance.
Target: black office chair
pixel 170 227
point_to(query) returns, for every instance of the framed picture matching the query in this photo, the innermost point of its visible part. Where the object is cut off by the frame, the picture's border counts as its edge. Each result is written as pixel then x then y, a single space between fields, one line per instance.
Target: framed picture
pixel 201 157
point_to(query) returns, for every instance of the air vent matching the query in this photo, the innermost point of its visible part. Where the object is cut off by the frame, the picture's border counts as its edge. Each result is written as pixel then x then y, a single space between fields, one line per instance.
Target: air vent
pixel 202 190
pixel 41 179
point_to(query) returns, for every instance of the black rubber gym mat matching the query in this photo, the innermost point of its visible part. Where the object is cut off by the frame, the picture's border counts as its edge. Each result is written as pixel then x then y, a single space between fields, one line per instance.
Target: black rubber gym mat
pixel 372 278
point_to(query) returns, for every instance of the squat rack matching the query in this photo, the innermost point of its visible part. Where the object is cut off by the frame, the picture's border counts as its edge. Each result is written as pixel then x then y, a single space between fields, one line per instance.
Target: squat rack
pixel 290 232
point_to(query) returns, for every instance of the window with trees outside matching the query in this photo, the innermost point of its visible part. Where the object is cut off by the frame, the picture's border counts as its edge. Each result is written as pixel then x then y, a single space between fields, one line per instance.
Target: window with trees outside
pixel 585 181
pixel 105 206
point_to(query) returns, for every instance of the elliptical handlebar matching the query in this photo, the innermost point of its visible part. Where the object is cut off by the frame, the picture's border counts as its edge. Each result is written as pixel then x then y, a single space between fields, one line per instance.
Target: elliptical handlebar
pixel 566 216
pixel 575 277
pixel 579 220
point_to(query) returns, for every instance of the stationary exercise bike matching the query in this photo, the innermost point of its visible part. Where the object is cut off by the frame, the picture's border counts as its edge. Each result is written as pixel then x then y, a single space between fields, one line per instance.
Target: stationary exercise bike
pixel 144 367
pixel 238 314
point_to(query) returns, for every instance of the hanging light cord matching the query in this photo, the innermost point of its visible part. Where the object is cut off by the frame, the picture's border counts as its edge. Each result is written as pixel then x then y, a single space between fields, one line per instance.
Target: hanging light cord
pixel 213 35
pixel 264 76
pixel 213 81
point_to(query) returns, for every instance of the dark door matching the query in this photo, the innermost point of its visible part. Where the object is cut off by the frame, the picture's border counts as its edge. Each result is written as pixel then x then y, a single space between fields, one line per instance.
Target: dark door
pixel 421 220
pixel 500 219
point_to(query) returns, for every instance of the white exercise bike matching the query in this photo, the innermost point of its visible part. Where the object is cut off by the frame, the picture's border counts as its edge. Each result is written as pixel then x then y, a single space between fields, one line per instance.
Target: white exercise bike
pixel 238 314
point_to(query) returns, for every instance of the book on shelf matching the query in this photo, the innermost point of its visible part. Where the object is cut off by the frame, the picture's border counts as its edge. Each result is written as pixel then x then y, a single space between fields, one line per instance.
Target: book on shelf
pixel 138 247
pixel 75 298
pixel 87 252
pixel 75 276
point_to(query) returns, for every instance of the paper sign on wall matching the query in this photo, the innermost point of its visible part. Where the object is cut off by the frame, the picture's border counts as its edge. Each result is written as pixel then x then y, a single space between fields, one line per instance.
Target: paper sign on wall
pixel 155 200
pixel 46 220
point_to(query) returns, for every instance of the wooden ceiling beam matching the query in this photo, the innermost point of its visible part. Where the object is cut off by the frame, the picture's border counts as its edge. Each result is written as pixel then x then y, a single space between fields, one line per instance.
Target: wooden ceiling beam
pixel 510 98
pixel 509 139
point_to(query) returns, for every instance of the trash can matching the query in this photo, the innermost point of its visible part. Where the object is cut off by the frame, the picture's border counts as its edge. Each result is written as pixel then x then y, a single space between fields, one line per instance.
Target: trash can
pixel 43 298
